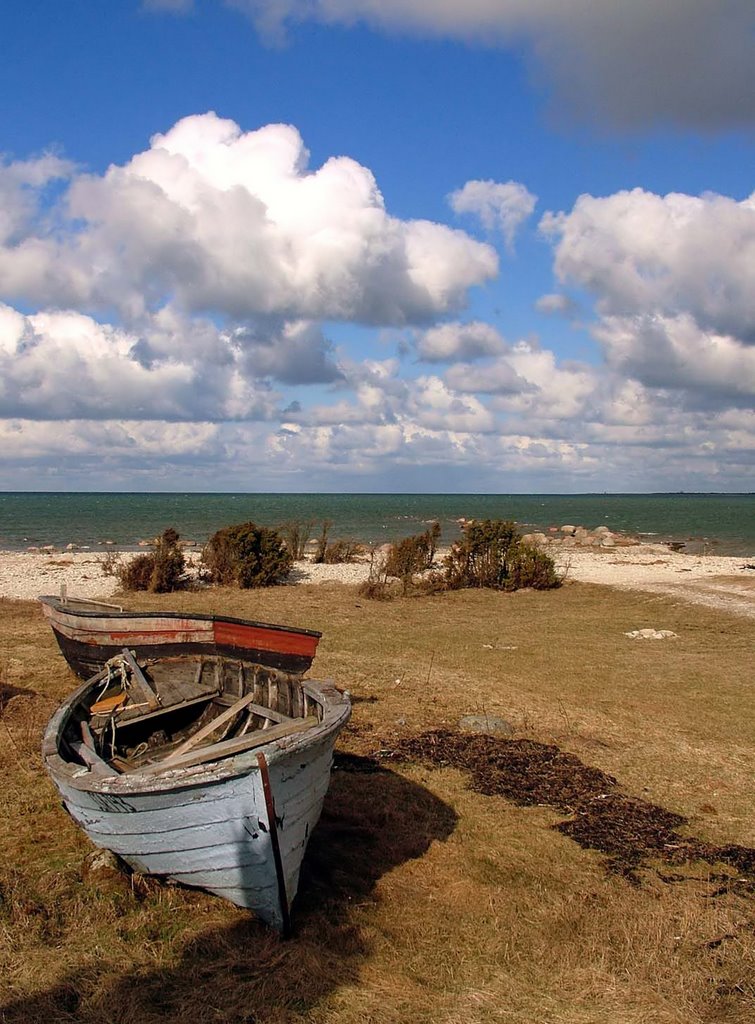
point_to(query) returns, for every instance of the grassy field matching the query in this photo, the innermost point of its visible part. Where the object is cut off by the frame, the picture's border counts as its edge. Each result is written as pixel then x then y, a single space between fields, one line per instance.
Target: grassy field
pixel 423 900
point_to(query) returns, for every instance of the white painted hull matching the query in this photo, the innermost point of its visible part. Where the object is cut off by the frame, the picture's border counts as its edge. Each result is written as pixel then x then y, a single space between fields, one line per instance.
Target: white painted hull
pixel 208 826
pixel 215 837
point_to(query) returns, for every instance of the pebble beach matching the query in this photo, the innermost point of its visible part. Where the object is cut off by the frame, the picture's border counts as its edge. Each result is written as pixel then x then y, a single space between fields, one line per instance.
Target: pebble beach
pixel 720 581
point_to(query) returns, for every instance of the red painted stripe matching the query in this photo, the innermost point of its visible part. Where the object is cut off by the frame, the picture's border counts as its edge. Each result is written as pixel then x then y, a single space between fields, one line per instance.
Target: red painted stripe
pixel 235 634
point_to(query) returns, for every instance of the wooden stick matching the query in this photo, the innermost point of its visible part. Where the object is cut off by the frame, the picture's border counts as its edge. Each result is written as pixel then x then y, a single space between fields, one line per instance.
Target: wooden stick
pixel 258 709
pixel 210 727
pixel 272 823
pixel 238 745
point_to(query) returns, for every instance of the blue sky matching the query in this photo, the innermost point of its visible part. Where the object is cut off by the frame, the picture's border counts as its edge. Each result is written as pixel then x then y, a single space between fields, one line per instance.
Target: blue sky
pixel 350 245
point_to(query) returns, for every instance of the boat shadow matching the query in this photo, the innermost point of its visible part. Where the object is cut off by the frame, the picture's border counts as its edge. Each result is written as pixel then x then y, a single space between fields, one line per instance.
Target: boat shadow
pixel 373 821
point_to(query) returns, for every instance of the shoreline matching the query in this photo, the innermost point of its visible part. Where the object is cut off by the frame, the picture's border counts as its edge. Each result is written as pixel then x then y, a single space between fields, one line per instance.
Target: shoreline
pixel 721 581
pixel 719 523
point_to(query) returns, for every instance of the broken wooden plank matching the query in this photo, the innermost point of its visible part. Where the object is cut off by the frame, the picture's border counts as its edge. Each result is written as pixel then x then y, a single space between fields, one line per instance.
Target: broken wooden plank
pixel 122 721
pixel 238 745
pixel 96 765
pixel 87 737
pixel 257 709
pixel 209 729
pixel 137 676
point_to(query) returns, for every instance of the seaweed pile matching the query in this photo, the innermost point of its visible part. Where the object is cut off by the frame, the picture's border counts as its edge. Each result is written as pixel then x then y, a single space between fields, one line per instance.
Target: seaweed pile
pixel 630 831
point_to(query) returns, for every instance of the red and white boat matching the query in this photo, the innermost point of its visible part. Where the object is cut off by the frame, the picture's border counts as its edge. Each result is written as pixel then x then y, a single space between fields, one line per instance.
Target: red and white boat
pixel 89 633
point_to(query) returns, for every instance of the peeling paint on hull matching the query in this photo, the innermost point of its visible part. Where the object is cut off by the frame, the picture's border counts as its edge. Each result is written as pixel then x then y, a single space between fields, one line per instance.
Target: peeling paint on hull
pixel 209 825
pixel 89 634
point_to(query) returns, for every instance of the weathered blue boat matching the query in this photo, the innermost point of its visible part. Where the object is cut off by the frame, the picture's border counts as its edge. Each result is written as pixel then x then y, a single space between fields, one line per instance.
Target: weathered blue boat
pixel 207 770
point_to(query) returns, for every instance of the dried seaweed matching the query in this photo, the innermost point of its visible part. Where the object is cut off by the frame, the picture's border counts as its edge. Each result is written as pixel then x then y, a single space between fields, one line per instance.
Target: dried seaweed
pixel 630 831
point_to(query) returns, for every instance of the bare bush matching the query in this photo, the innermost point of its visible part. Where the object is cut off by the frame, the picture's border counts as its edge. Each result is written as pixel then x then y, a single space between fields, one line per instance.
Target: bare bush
pixel 375 587
pixel 111 563
pixel 412 555
pixel 160 571
pixel 322 542
pixel 296 534
pixel 342 551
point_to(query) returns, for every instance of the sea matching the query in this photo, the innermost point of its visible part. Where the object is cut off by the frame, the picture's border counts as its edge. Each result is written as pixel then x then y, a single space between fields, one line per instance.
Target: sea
pixel 720 523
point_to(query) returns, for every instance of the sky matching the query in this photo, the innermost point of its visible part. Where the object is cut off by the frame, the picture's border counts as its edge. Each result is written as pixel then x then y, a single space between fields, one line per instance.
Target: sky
pixel 377 245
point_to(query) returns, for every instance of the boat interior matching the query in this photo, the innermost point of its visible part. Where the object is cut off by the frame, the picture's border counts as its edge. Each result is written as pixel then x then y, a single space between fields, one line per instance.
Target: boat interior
pixel 153 716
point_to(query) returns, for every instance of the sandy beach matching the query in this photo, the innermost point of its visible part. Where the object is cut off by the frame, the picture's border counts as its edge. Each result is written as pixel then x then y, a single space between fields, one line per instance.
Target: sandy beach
pixel 727 583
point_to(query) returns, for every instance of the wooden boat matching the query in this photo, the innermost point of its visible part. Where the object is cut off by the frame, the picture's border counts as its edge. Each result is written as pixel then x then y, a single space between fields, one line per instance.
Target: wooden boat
pixel 211 771
pixel 90 632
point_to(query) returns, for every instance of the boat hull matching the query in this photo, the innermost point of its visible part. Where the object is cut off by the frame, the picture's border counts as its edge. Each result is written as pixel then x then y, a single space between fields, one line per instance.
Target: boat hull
pixel 236 825
pixel 217 836
pixel 89 634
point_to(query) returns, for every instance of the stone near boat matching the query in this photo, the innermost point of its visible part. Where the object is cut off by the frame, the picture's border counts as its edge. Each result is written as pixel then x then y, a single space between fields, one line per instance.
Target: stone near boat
pixel 102 870
pixel 569 530
pixel 72 547
pixel 491 724
pixel 650 634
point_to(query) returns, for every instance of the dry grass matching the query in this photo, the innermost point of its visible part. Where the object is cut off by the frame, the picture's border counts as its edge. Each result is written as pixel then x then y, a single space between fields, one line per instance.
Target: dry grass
pixel 423 901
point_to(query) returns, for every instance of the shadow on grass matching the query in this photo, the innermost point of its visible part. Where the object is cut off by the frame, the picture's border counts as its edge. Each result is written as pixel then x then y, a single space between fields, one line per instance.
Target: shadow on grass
pixel 8 692
pixel 372 822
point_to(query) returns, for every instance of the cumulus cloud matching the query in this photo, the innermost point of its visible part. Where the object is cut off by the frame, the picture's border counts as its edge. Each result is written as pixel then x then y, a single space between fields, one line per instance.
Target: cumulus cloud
pixel 637 251
pixel 674 353
pixel 501 206
pixel 451 342
pixel 528 381
pixel 627 63
pixel 22 185
pixel 672 281
pixel 110 453
pixel 230 222
pixel 555 304
pixel 180 294
pixel 65 365
pixel 297 353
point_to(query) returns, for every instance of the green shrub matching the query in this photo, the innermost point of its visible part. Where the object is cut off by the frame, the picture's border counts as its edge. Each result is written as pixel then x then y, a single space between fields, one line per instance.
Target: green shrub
pixel 491 554
pixel 531 567
pixel 247 555
pixel 160 571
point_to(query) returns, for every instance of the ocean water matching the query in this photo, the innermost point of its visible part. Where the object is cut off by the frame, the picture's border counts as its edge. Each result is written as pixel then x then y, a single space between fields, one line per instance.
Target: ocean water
pixel 724 523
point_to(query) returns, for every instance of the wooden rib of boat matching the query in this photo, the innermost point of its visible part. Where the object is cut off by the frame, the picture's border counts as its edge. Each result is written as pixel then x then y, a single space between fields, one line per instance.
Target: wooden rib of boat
pixel 89 633
pixel 211 771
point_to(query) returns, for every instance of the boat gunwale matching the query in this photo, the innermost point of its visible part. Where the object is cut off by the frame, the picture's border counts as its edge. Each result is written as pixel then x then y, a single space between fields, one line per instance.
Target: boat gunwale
pixel 336 708
pixel 64 608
